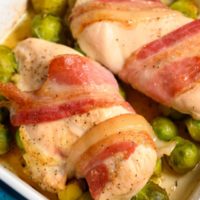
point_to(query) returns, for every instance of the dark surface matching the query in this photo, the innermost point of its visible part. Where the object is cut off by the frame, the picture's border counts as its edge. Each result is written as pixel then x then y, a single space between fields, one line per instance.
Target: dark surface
pixel 6 193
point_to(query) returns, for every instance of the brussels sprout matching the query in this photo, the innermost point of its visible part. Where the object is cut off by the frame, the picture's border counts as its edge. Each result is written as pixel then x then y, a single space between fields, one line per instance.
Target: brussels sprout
pixel 122 92
pixel 18 140
pixel 193 127
pixel 151 191
pixel 4 140
pixel 170 112
pixel 164 128
pixel 47 27
pixel 54 7
pixel 158 168
pixel 8 64
pixel 85 196
pixel 71 192
pixel 184 157
pixel 187 7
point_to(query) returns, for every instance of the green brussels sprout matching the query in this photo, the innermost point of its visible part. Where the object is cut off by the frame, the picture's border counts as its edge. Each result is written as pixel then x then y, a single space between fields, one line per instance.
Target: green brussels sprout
pixel 151 191
pixel 187 7
pixel 54 7
pixel 4 140
pixel 18 140
pixel 8 64
pixel 85 196
pixel 171 113
pixel 184 157
pixel 193 127
pixel 71 192
pixel 47 27
pixel 122 92
pixel 164 128
pixel 158 168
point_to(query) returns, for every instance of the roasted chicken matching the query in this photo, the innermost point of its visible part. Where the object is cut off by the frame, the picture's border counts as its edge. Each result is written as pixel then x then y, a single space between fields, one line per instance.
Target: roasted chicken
pixel 76 124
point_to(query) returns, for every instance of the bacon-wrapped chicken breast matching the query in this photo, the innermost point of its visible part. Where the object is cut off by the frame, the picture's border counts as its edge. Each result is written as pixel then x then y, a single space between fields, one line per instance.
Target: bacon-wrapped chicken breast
pixel 150 46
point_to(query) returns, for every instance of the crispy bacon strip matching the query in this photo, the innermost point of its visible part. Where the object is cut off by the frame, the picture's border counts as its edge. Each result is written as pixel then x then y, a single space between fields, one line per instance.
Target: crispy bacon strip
pixel 167 41
pixel 168 66
pixel 96 172
pixel 75 85
pixel 126 12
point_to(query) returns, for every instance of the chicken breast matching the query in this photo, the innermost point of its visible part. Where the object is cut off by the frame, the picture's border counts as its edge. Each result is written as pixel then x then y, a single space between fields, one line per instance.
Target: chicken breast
pixel 110 43
pixel 88 95
pixel 47 145
pixel 147 27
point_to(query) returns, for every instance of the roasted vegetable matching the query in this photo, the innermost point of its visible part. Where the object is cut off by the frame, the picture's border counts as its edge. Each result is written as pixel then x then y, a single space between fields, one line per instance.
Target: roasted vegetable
pixel 71 192
pixel 8 64
pixel 122 92
pixel 4 139
pixel 47 27
pixel 184 157
pixel 54 7
pixel 187 7
pixel 193 127
pixel 18 140
pixel 151 191
pixel 171 113
pixel 158 168
pixel 164 128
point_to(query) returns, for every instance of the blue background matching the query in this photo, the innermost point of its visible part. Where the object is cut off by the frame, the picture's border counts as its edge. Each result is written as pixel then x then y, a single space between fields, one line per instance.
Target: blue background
pixel 6 193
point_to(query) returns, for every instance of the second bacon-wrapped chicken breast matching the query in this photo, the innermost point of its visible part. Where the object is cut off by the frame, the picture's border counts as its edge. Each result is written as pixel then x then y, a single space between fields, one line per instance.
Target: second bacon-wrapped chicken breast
pixel 76 124
pixel 150 46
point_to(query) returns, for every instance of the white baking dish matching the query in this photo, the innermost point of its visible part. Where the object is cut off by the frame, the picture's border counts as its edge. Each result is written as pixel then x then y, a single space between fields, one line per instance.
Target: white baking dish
pixel 20 186
pixel 11 12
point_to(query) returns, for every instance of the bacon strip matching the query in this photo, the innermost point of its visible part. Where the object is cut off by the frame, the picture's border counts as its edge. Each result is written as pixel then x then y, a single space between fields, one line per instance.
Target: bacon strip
pixel 128 13
pixel 97 174
pixel 171 39
pixel 168 66
pixel 75 85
